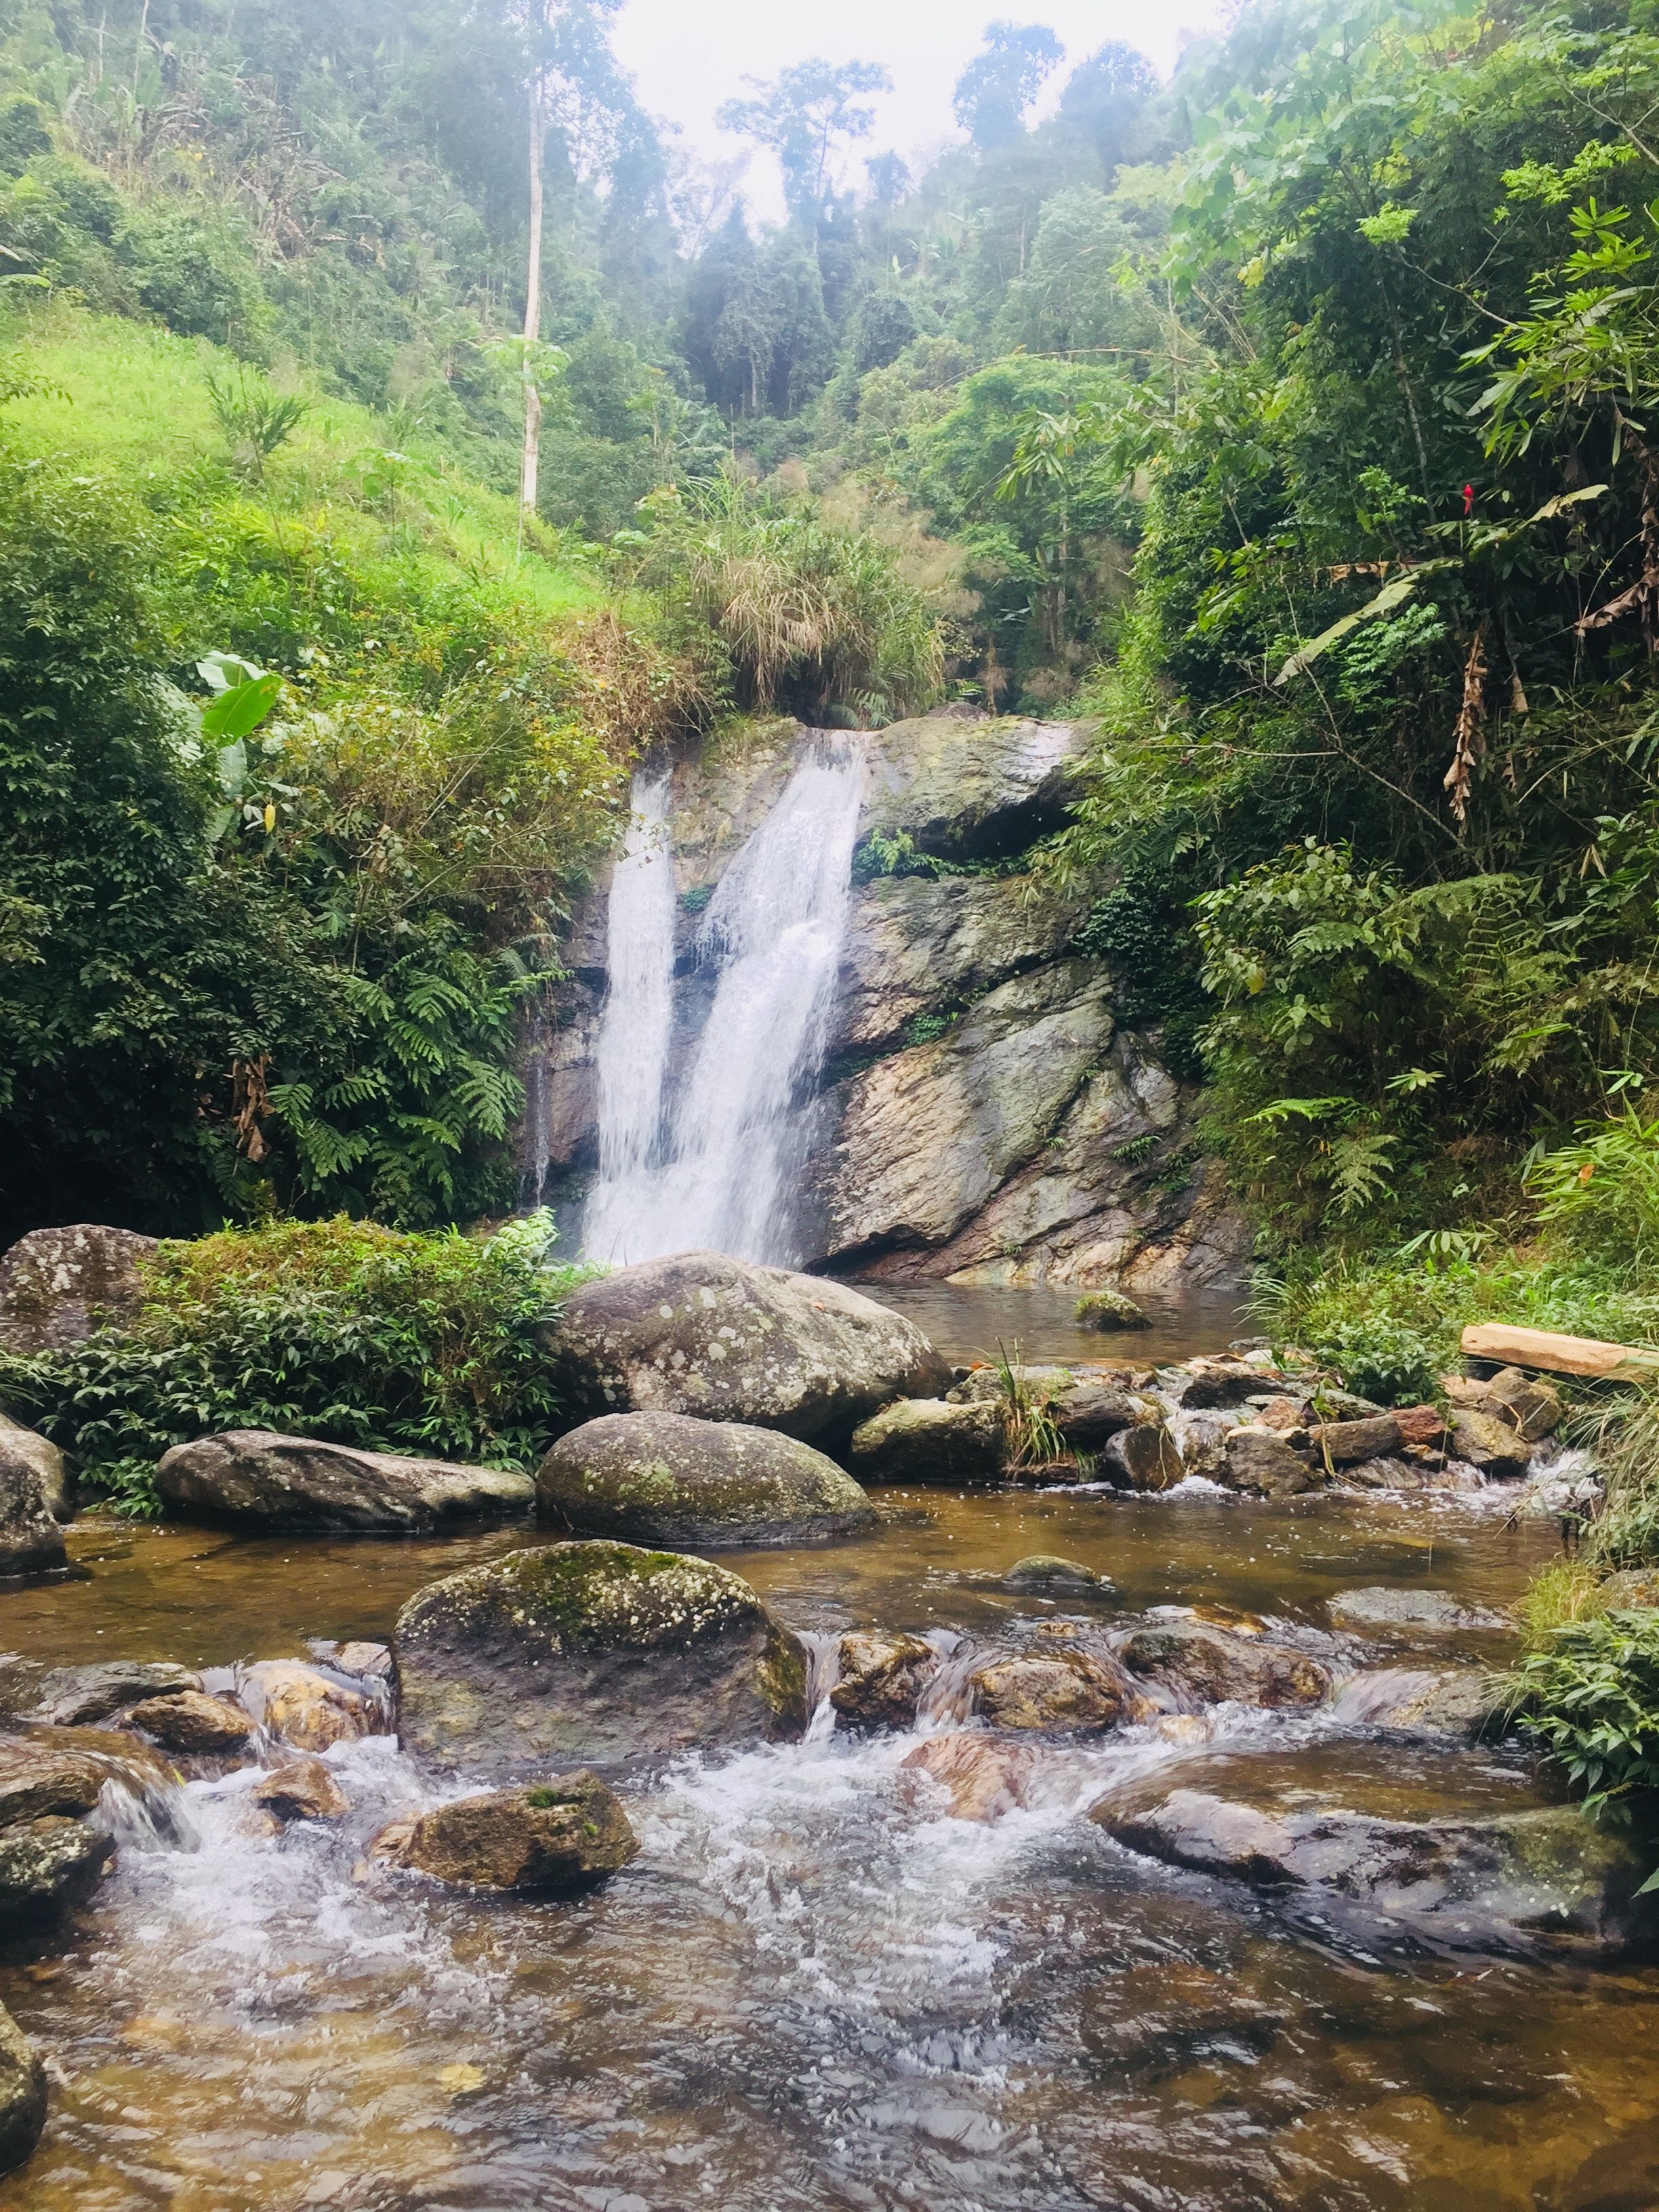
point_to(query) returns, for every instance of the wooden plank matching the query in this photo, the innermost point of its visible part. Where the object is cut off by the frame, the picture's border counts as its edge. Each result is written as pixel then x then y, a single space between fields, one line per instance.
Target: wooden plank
pixel 1560 1355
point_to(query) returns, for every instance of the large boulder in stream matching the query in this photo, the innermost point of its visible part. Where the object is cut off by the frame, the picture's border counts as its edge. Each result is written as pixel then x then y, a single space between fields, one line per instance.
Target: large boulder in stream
pixel 264 1481
pixel 22 2093
pixel 665 1478
pixel 56 1286
pixel 929 1440
pixel 1508 1881
pixel 31 1541
pixel 560 1835
pixel 723 1340
pixel 593 1653
pixel 29 1448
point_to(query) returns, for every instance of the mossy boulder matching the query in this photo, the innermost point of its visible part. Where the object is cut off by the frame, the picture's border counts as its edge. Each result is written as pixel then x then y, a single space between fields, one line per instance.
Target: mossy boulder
pixel 883 1677
pixel 258 1478
pixel 591 1653
pixel 46 1866
pixel 666 1479
pixel 723 1340
pixel 929 1440
pixel 31 1541
pixel 1109 1310
pixel 560 1835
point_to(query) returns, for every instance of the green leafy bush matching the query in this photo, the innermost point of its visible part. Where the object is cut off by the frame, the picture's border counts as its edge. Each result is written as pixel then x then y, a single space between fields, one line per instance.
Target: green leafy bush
pixel 426 1344
pixel 1590 1699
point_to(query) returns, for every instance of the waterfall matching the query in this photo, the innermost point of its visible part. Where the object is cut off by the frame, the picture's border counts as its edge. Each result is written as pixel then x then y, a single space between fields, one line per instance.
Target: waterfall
pixel 711 1164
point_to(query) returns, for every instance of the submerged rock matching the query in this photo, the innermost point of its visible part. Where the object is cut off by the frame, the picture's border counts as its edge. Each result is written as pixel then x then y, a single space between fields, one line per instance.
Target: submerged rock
pixel 1512 1881
pixel 1069 1690
pixel 56 1286
pixel 1381 1611
pixel 193 1722
pixel 929 1440
pixel 1044 1570
pixel 266 1480
pixel 590 1651
pixel 46 1865
pixel 303 1790
pixel 1203 1666
pixel 562 1835
pixel 982 1777
pixel 1465 1702
pixel 882 1678
pixel 31 1541
pixel 29 1447
pixel 665 1478
pixel 723 1340
pixel 22 2095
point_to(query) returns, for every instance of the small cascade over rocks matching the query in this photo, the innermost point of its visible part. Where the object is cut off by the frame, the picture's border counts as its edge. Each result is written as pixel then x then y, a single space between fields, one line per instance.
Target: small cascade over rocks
pixel 707 1162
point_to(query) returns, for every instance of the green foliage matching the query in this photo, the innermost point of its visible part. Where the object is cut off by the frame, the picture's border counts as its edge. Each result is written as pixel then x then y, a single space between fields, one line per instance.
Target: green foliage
pixel 1604 1187
pixel 1589 1699
pixel 424 1344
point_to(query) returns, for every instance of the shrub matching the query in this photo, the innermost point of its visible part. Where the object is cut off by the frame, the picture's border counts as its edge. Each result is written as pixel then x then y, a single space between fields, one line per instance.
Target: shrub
pixel 424 1344
pixel 1590 1699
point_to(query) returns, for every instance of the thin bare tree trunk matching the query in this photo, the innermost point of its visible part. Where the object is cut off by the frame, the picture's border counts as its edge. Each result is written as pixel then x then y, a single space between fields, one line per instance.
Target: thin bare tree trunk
pixel 532 308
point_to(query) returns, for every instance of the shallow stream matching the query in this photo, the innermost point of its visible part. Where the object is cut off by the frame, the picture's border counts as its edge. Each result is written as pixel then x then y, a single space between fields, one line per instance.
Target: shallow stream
pixel 812 1989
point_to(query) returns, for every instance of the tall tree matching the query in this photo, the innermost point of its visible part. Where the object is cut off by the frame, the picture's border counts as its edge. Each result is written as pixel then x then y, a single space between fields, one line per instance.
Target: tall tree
pixel 1003 79
pixel 801 116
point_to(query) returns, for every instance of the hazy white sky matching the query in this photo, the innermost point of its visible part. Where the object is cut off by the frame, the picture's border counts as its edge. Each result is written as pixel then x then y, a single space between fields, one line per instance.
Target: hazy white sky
pixel 688 57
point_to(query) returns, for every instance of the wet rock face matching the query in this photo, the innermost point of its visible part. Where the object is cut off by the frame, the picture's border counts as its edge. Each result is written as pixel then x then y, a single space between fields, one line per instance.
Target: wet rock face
pixel 299 1705
pixel 721 1339
pixel 193 1722
pixel 31 1541
pixel 981 1778
pixel 1517 1881
pixel 46 1865
pixel 595 1652
pixel 1201 1665
pixel 79 1697
pixel 882 1680
pixel 56 1286
pixel 667 1479
pixel 257 1478
pixel 1070 1690
pixel 564 1835
pixel 37 1779
pixel 301 1789
pixel 22 2095
pixel 972 791
pixel 929 1440
pixel 27 1446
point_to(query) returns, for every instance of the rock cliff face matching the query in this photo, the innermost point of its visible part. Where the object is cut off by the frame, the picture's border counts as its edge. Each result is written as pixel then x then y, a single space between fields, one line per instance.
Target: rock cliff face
pixel 982 1115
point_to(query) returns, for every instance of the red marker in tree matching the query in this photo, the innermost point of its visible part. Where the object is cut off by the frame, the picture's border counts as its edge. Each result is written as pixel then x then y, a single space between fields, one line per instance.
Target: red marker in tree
pixel 1468 501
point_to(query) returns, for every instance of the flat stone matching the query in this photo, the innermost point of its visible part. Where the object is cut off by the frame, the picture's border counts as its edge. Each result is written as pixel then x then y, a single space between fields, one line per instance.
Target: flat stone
pixel 1072 1691
pixel 260 1479
pixel 929 1440
pixel 1204 1666
pixel 723 1340
pixel 882 1678
pixel 562 1835
pixel 598 1652
pixel 78 1697
pixel 22 2095
pixel 56 1286
pixel 1382 1611
pixel 301 1789
pixel 666 1480
pixel 47 1865
pixel 982 1778
pixel 364 1658
pixel 193 1722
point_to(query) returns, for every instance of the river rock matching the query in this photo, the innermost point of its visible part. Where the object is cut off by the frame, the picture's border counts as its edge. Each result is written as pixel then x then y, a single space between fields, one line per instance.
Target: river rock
pixel 46 1865
pixel 1258 1461
pixel 1089 1412
pixel 192 1722
pixel 972 791
pixel 301 1789
pixel 882 1678
pixel 982 1777
pixel 1490 1444
pixel 1514 1881
pixel 1465 1702
pixel 562 1835
pixel 56 1286
pixel 591 1651
pixel 1531 1406
pixel 667 1479
pixel 33 1451
pixel 1109 1310
pixel 929 1440
pixel 1384 1612
pixel 31 1541
pixel 299 1705
pixel 363 1658
pixel 1340 1444
pixel 723 1340
pixel 79 1697
pixel 41 1777
pixel 22 2095
pixel 264 1481
pixel 1210 1385
pixel 1203 1666
pixel 1143 1457
pixel 1045 1572
pixel 1067 1691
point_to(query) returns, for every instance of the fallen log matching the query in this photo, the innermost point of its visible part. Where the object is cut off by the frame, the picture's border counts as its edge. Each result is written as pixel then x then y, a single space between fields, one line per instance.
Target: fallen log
pixel 1560 1355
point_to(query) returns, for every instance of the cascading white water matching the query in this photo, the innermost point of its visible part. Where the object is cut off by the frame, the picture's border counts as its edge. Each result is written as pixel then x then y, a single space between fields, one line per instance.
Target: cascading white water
pixel 719 1174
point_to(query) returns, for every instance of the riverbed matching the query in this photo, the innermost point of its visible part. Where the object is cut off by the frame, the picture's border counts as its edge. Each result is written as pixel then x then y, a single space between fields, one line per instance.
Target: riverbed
pixel 813 1989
